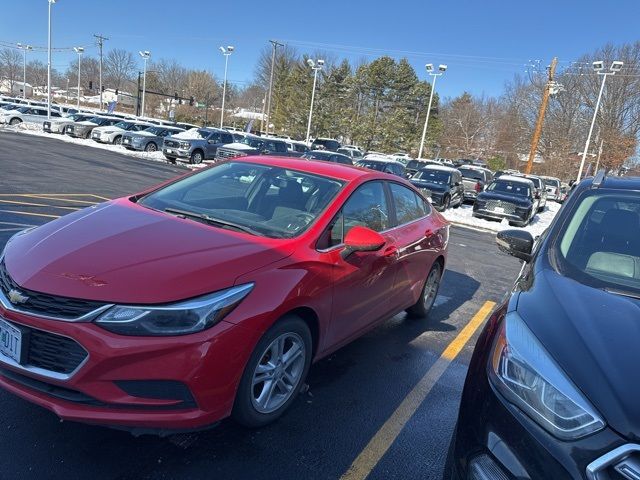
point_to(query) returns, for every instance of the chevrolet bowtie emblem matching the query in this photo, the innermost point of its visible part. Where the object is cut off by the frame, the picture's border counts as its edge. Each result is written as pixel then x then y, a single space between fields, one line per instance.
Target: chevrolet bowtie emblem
pixel 16 297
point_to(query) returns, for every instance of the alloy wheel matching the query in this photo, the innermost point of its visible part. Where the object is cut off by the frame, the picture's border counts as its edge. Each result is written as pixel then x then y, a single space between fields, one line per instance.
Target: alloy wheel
pixel 431 288
pixel 278 372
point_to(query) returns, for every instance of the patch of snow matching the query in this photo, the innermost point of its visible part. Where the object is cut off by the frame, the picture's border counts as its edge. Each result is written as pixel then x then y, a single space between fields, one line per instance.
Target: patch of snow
pixel 239 146
pixel 191 134
pixel 463 216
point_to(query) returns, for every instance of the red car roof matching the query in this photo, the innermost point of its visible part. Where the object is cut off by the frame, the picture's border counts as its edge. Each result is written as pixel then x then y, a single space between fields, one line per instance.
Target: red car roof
pixel 318 167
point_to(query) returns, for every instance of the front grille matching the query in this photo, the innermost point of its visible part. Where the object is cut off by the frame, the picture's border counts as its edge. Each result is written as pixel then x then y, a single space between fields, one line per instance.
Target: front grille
pixel 509 208
pixel 225 153
pixel 54 352
pixel 45 304
pixel 171 143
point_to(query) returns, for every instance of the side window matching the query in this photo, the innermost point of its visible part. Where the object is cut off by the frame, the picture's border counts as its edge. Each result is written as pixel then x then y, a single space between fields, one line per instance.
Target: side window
pixel 409 206
pixel 214 138
pixel 280 147
pixel 367 207
pixel 227 138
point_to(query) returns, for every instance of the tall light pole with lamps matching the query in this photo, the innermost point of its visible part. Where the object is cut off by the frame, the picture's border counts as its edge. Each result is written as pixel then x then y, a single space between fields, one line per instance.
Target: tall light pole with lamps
pixel 79 51
pixel 227 53
pixel 24 49
pixel 441 69
pixel 316 67
pixel 599 69
pixel 146 54
pixel 51 2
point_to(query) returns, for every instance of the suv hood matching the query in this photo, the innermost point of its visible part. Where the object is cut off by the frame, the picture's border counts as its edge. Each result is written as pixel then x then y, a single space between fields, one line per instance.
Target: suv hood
pixel 593 335
pixel 121 252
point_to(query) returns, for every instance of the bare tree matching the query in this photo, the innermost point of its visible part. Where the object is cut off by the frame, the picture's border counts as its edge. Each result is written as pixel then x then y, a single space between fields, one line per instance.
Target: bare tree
pixel 119 67
pixel 10 65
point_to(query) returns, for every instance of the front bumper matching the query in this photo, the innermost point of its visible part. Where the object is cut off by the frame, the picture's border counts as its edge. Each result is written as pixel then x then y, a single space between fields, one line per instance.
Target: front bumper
pixel 176 152
pixel 77 132
pixel 132 143
pixel 137 383
pixel 52 127
pixel 100 137
pixel 492 214
pixel 498 439
pixel 470 194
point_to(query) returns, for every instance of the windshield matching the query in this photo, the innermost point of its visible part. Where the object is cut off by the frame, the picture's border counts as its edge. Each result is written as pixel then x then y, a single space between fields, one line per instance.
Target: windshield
pixel 552 182
pixel 23 109
pixel 97 120
pixel 520 189
pixel 379 166
pixel 317 155
pixel 433 176
pixel 252 142
pixel 159 130
pixel 271 201
pixel 123 125
pixel 600 245
pixel 472 174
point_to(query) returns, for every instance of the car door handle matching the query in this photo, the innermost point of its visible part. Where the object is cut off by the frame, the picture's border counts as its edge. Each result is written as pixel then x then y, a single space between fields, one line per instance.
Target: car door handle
pixel 390 252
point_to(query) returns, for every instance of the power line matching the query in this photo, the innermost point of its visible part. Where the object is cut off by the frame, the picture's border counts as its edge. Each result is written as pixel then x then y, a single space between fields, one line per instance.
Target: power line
pixel 100 40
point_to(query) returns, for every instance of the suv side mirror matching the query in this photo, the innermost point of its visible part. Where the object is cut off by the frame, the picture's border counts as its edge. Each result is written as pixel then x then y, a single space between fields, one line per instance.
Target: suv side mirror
pixel 362 239
pixel 517 243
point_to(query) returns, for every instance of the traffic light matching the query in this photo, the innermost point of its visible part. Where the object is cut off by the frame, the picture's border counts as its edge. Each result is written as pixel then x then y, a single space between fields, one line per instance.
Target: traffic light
pixel 175 95
pixel 191 101
pixel 90 85
pixel 103 88
pixel 116 91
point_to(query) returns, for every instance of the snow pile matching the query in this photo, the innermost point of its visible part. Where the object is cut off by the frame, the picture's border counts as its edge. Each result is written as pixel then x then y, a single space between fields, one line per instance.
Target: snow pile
pixel 464 216
pixel 192 134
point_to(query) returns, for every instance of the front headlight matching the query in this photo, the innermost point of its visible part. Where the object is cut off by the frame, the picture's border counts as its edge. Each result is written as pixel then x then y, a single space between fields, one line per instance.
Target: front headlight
pixel 522 371
pixel 180 318
pixel 185 145
pixel 108 132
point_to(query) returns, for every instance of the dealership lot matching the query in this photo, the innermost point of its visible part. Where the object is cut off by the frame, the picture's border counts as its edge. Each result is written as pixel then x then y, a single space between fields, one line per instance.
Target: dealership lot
pixel 383 406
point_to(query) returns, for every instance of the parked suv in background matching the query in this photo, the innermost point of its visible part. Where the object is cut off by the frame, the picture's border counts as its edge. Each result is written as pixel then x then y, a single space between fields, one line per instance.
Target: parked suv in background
pixel 26 114
pixel 254 145
pixel 551 391
pixel 83 129
pixel 443 184
pixel 540 192
pixel 354 153
pixel 113 133
pixel 388 166
pixel 328 157
pixel 326 144
pixel 149 140
pixel 194 145
pixel 554 188
pixel 474 180
pixel 507 197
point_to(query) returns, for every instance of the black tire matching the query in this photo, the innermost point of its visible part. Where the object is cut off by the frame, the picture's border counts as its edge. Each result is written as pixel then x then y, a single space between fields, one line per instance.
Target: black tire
pixel 117 140
pixel 64 130
pixel 196 157
pixel 151 147
pixel 15 121
pixel 87 135
pixel 170 159
pixel 244 412
pixel 424 304
pixel 446 203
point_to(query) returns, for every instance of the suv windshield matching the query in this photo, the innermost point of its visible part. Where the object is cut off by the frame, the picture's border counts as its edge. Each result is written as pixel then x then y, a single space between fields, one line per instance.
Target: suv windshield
pixel 259 199
pixel 433 176
pixel 600 245
pixel 123 125
pixel 252 142
pixel 510 188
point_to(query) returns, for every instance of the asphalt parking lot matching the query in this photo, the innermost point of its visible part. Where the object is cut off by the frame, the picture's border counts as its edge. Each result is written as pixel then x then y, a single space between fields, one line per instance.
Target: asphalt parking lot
pixel 383 407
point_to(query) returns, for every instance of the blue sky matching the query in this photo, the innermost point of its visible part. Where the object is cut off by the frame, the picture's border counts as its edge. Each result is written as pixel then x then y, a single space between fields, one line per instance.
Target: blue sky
pixel 484 42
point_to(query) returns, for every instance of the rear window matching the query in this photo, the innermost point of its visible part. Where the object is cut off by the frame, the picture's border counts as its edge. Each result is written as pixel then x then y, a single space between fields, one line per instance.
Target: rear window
pixel 511 188
pixel 434 176
pixel 600 243
pixel 472 174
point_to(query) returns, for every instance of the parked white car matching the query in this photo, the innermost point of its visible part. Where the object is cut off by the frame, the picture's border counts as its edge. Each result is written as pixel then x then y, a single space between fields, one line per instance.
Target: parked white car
pixel 33 115
pixel 59 125
pixel 113 133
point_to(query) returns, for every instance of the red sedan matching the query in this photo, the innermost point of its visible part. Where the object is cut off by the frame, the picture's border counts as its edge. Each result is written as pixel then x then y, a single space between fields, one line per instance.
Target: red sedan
pixel 211 295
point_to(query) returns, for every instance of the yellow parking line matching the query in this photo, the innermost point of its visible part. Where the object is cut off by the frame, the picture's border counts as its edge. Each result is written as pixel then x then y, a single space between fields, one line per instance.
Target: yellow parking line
pixel 30 213
pixel 58 199
pixel 30 204
pixel 384 438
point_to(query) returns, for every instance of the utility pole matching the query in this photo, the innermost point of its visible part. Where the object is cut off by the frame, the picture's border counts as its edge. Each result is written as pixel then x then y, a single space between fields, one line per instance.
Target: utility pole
pixel 543 108
pixel 100 40
pixel 275 45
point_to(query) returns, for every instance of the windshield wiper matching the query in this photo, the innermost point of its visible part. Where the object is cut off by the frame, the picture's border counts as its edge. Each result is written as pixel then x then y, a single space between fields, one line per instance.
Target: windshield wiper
pixel 203 217
pixel 622 293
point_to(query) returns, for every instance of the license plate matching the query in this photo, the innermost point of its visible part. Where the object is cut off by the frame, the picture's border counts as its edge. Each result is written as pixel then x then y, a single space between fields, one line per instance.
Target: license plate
pixel 498 210
pixel 169 150
pixel 10 341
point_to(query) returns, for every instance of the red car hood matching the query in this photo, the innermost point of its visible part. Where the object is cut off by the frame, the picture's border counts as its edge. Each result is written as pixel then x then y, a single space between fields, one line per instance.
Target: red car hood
pixel 121 252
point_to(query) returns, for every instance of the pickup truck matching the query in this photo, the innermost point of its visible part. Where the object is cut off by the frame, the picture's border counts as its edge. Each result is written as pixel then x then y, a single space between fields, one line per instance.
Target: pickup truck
pixel 254 145
pixel 195 145
pixel 474 180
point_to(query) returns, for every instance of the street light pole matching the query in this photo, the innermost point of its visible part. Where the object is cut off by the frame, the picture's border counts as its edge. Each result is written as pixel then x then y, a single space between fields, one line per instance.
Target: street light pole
pixel 316 67
pixel 274 45
pixel 79 51
pixel 598 67
pixel 24 49
pixel 146 54
pixel 51 2
pixel 226 52
pixel 429 67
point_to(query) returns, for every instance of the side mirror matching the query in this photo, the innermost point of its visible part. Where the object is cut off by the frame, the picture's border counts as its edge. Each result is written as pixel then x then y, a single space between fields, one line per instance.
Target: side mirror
pixel 517 243
pixel 361 239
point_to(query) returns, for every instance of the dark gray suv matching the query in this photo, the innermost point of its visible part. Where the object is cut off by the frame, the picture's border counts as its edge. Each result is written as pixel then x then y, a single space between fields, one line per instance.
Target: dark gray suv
pixel 195 145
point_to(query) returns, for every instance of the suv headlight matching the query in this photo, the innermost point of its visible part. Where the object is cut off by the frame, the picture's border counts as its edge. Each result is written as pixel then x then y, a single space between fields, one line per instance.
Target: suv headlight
pixel 185 145
pixel 522 371
pixel 179 318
